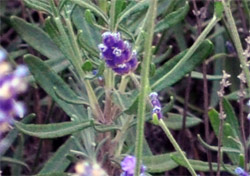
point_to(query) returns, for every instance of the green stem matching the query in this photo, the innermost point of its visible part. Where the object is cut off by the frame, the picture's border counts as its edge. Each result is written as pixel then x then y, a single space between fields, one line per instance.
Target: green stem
pixel 144 85
pixel 176 146
pixel 112 16
pixel 237 42
pixel 76 60
pixel 193 48
pixel 123 83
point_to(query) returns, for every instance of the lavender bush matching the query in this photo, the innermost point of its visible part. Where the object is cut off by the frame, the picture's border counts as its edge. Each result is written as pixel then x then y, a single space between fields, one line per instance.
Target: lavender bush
pixel 124 88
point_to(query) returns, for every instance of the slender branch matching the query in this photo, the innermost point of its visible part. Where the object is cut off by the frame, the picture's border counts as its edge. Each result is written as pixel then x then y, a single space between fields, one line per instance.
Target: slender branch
pixel 237 42
pixel 205 105
pixel 144 85
pixel 176 146
pixel 220 136
pixel 242 125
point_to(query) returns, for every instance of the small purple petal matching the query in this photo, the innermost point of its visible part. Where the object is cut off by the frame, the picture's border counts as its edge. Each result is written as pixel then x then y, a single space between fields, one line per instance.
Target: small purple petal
pixel 128 164
pixel 109 39
pixel 6 105
pixel 156 102
pixel 122 69
pixel 153 95
pixel 133 63
pixel 157 110
pixel 111 63
pixel 240 172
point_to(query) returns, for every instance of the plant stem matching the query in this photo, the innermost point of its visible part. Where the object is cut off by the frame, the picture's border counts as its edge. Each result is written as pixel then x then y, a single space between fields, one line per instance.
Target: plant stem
pixel 176 146
pixel 220 136
pixel 112 16
pixel 76 60
pixel 144 85
pixel 236 39
pixel 242 124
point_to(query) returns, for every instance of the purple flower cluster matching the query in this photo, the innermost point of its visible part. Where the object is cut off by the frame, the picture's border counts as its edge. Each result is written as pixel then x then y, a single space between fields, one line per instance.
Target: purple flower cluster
pixel 156 105
pixel 12 83
pixel 240 172
pixel 117 53
pixel 128 166
pixel 86 169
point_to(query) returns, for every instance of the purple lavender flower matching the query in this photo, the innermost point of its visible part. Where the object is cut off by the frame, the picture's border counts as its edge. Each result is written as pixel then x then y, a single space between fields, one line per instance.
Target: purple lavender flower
pixel 156 105
pixel 128 166
pixel 117 53
pixel 157 111
pixel 12 83
pixel 240 172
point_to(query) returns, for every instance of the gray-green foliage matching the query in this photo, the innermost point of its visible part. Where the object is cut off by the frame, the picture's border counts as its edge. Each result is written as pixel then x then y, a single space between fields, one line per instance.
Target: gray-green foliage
pixel 68 43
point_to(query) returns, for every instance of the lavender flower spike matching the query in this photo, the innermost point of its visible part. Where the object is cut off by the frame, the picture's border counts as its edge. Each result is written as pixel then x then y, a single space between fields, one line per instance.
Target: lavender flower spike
pixel 240 172
pixel 12 83
pixel 156 105
pixel 128 166
pixel 117 53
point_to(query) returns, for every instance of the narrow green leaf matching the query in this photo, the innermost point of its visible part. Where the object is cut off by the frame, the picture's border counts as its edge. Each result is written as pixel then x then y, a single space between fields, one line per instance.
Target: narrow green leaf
pixel 235 95
pixel 131 9
pixel 166 76
pixel 215 148
pixel 172 18
pixel 174 121
pixel 89 5
pixel 227 132
pixel 231 117
pixel 160 163
pixel 90 34
pixel 36 38
pixel 48 79
pixel 198 165
pixel 6 142
pixel 59 162
pixel 41 5
pixel 18 155
pixel 199 75
pixel 89 17
pixel 125 101
pixel 13 161
pixel 53 130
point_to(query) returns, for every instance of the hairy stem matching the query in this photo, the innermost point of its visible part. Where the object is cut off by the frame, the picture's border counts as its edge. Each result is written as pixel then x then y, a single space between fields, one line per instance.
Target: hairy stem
pixel 237 42
pixel 176 146
pixel 220 136
pixel 242 125
pixel 144 85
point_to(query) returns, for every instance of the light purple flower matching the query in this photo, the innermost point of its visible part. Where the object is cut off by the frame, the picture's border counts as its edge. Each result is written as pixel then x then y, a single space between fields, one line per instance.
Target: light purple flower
pixel 117 53
pixel 240 172
pixel 12 83
pixel 156 105
pixel 128 165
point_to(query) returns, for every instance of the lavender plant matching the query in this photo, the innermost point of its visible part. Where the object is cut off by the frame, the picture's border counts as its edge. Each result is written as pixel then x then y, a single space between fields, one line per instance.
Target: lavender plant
pixel 114 72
